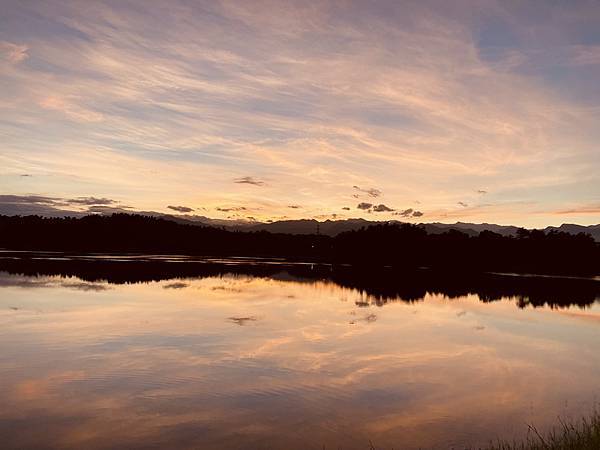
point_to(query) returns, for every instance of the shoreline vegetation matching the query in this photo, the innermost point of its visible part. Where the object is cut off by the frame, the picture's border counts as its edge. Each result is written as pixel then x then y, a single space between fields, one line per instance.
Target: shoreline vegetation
pixel 582 434
pixel 399 245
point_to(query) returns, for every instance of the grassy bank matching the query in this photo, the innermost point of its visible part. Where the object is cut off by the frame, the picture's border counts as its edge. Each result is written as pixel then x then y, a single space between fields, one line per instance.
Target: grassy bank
pixel 579 435
pixel 583 434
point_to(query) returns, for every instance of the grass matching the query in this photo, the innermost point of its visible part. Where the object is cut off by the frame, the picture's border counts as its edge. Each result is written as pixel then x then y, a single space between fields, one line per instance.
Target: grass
pixel 583 434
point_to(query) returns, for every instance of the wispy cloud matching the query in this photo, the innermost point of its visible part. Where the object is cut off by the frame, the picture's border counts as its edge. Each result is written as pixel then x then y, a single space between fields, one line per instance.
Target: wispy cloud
pixel 13 53
pixel 249 180
pixel 415 99
pixel 371 192
pixel 586 55
pixel 181 209
pixel 30 200
pixel 232 208
pixel 90 201
pixel 103 209
pixel 71 109
pixel 584 209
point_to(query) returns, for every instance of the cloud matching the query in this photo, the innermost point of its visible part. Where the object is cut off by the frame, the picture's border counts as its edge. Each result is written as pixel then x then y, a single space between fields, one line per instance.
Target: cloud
pixel 103 209
pixel 90 201
pixel 181 209
pixel 326 216
pixel 25 205
pixel 463 204
pixel 30 200
pixel 249 180
pixel 241 321
pixel 45 282
pixel 585 209
pixel 372 192
pixel 55 207
pixel 233 208
pixel 70 108
pixel 373 208
pixel 584 55
pixel 315 114
pixel 405 213
pixel 382 208
pixel 13 53
pixel 176 285
pixel 85 286
pixel 408 213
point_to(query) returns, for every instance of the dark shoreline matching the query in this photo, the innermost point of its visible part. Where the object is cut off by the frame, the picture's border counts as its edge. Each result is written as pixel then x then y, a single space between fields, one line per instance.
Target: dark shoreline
pixel 400 245
pixel 380 284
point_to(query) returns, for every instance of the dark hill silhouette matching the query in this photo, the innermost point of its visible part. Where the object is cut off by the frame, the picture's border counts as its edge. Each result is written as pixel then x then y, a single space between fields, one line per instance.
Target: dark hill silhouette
pixel 472 229
pixel 400 245
pixel 305 226
pixel 593 230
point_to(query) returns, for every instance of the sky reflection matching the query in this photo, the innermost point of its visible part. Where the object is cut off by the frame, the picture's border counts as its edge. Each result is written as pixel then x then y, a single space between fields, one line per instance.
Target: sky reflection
pixel 240 361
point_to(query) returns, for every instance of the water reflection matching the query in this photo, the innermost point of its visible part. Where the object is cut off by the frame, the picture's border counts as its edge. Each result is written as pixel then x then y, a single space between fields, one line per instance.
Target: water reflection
pixel 378 286
pixel 283 359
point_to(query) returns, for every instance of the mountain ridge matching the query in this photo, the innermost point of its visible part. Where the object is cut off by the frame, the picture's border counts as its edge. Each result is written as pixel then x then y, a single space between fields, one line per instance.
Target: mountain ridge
pixel 331 227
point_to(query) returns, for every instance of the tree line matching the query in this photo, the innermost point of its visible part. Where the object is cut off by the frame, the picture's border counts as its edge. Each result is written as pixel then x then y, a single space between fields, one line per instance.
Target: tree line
pixel 393 244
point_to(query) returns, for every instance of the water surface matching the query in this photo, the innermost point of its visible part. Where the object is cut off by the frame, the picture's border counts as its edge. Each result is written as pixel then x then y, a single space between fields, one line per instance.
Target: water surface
pixel 272 359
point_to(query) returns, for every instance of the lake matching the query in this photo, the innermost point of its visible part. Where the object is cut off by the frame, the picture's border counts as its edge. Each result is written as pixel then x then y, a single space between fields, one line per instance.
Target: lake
pixel 104 352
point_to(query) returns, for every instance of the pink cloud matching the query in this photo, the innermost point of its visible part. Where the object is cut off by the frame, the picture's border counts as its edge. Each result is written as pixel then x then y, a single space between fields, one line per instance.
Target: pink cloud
pixel 13 53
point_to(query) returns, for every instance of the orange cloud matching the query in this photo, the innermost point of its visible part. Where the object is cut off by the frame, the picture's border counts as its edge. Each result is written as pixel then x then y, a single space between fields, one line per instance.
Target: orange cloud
pixel 590 209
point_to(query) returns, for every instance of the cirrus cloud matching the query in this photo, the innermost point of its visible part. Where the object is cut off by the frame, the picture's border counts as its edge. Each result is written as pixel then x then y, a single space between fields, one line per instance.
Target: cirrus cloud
pixel 13 53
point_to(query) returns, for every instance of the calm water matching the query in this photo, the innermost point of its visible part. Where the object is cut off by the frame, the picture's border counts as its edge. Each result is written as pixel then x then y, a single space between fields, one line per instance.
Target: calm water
pixel 241 361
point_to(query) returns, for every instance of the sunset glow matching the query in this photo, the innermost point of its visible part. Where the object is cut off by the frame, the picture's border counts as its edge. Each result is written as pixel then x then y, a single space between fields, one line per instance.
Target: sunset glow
pixel 479 111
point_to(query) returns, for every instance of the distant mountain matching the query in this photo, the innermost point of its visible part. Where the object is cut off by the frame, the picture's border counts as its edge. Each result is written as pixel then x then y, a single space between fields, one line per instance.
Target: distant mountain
pixel 306 226
pixel 192 219
pixel 570 228
pixel 472 229
pixel 335 227
pixel 300 226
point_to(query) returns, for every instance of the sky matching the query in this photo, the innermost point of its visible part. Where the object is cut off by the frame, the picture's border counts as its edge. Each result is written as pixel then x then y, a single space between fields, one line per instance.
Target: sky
pixel 421 111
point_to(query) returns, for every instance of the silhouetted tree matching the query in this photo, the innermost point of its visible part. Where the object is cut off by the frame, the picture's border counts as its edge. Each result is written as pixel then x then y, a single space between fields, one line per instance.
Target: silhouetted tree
pixel 399 245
